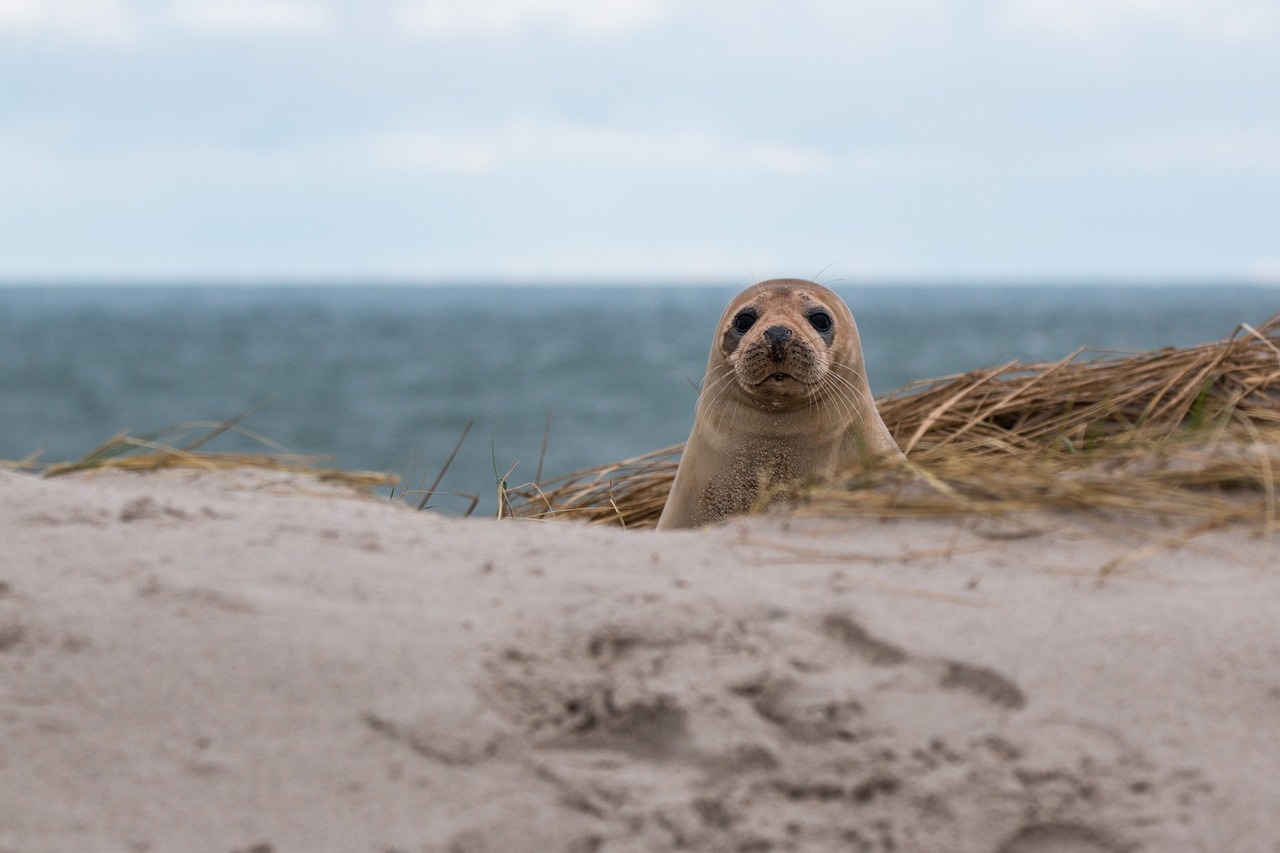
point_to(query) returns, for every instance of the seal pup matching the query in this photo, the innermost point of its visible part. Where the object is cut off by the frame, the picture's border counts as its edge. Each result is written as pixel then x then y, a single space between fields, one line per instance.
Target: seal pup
pixel 785 400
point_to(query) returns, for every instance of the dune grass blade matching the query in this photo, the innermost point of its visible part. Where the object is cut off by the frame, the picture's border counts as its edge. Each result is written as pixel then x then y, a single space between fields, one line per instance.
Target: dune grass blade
pixel 1177 430
pixel 435 484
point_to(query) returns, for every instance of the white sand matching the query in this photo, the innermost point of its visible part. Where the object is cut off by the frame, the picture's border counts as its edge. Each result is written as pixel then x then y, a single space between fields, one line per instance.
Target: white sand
pixel 254 663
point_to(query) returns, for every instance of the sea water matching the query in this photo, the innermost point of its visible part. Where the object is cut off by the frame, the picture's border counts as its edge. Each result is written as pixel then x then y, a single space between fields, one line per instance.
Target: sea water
pixel 387 378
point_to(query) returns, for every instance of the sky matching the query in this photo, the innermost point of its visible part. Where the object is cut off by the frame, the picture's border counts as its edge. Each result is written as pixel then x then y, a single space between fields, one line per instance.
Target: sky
pixel 640 139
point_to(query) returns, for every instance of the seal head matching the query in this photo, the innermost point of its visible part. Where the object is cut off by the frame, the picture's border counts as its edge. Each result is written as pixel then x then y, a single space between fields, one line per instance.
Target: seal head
pixel 785 400
pixel 778 344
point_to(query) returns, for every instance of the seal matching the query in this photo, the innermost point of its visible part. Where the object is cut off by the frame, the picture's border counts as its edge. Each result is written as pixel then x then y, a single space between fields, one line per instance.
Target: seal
pixel 785 400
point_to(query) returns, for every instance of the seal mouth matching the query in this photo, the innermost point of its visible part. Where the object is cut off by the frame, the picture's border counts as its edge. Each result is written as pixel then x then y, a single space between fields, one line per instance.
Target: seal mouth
pixel 776 384
pixel 772 380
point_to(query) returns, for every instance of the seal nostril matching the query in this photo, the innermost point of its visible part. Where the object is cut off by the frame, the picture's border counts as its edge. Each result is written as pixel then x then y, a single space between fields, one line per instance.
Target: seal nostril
pixel 777 335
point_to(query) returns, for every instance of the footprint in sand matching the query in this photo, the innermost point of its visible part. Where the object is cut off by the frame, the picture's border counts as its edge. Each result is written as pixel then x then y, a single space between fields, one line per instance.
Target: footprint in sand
pixel 1058 838
pixel 772 730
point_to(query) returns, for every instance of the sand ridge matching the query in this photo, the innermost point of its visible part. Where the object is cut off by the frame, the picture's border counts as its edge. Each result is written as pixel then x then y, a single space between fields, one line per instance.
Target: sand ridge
pixel 261 662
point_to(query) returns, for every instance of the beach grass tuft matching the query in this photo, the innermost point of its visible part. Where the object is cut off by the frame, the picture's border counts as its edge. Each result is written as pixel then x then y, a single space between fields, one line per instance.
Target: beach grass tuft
pixel 173 447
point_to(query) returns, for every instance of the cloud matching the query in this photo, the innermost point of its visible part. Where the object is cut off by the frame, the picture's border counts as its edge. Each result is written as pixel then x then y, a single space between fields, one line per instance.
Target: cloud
pixel 118 23
pixel 1093 20
pixel 519 147
pixel 595 257
pixel 1266 271
pixel 444 18
pixel 521 144
pixel 251 17
pixel 1255 151
pixel 427 153
pixel 97 22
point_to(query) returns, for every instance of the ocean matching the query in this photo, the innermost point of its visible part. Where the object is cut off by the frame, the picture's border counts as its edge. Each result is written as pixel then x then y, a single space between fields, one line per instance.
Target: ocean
pixel 387 377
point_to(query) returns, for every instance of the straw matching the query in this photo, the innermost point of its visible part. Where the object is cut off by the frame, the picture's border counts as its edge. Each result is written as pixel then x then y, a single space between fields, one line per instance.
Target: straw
pixel 159 450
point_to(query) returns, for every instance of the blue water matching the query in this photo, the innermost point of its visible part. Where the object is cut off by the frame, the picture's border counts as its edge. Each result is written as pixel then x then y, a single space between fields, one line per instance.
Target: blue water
pixel 386 377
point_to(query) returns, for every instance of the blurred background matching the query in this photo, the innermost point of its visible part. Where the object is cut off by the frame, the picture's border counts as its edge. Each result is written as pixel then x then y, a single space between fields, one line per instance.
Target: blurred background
pixel 394 218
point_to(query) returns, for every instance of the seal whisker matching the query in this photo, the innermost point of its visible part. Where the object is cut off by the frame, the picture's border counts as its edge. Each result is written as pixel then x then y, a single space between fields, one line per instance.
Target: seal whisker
pixel 855 394
pixel 721 388
pixel 711 384
pixel 844 403
pixel 717 389
pixel 859 395
pixel 833 395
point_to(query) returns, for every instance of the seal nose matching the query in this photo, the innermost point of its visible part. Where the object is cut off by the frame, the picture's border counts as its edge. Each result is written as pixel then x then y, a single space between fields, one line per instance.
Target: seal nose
pixel 776 337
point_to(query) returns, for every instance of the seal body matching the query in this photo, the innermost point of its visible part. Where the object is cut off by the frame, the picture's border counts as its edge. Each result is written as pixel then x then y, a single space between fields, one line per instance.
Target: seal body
pixel 785 400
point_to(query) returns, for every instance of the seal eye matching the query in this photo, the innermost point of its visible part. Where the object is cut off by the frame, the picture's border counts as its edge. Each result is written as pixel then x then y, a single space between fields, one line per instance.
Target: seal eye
pixel 744 321
pixel 821 321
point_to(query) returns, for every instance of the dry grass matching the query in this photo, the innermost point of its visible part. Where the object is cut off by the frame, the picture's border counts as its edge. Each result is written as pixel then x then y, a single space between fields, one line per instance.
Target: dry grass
pixel 1192 431
pixel 164 449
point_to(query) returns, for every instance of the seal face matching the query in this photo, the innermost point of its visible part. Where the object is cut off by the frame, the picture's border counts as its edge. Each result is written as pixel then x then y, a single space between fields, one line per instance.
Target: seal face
pixel 785 399
pixel 780 356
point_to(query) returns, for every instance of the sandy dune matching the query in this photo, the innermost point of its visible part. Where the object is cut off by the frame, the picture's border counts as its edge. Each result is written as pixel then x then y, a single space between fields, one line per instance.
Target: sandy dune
pixel 261 663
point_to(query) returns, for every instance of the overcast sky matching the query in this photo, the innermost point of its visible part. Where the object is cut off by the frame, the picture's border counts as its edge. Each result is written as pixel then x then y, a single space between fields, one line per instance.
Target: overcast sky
pixel 730 139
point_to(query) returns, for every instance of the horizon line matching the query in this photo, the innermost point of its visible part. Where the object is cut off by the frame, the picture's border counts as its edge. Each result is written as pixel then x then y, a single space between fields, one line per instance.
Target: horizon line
pixel 614 280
